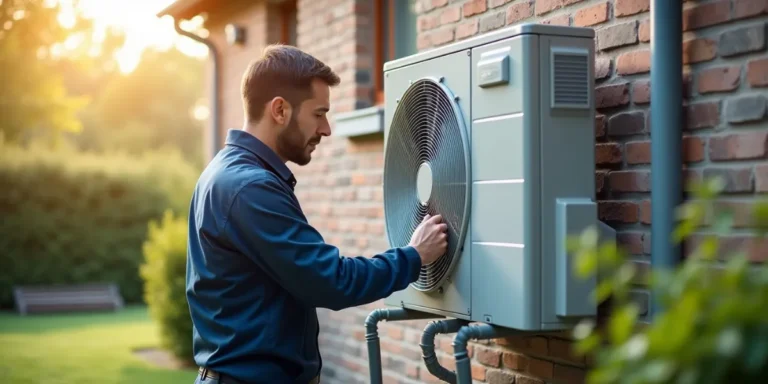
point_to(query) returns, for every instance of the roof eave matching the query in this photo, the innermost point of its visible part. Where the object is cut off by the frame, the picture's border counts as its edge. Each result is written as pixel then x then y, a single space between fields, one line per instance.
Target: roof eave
pixel 185 9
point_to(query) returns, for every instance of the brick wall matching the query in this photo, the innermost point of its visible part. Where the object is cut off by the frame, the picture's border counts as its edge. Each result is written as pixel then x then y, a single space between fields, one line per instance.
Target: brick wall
pixel 726 75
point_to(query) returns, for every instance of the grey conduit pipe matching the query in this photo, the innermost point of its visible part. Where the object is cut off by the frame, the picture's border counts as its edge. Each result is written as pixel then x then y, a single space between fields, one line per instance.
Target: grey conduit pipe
pixel 428 347
pixel 666 123
pixel 372 334
pixel 474 332
pixel 213 130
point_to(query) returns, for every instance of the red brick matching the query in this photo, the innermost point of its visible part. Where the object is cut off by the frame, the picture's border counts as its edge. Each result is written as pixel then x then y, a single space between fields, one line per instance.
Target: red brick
pixel 500 377
pixel 699 50
pixel 599 126
pixel 702 115
pixel 639 152
pixel 427 22
pixel 497 3
pixel 629 181
pixel 442 36
pixel 519 11
pixel 432 4
pixel 593 15
pixel 622 8
pixel 517 361
pixel 546 6
pixel 644 31
pixel 738 146
pixel 520 379
pixel 467 29
pixel 475 7
pixel 564 350
pixel 487 356
pixel 641 92
pixel 569 375
pixel 478 371
pixel 706 15
pixel 618 211
pixel 541 368
pixel 749 8
pixel 563 20
pixel 720 79
pixel 634 62
pixel 600 181
pixel 607 154
pixel 450 15
pixel 613 95
pixel 757 73
pixel 635 243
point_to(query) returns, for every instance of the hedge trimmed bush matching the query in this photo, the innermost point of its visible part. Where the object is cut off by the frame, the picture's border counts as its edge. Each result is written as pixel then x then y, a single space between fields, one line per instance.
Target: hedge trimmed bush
pixel 164 272
pixel 70 217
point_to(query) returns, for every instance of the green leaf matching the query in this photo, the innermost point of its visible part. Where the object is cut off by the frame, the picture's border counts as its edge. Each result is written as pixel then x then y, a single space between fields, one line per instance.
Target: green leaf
pixel 622 323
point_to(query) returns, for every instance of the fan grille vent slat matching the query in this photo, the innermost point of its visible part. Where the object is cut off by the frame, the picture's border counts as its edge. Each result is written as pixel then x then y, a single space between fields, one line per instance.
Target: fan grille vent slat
pixel 571 79
pixel 427 128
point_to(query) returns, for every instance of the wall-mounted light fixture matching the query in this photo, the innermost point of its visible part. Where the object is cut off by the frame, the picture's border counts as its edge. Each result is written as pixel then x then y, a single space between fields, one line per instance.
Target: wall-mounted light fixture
pixel 235 34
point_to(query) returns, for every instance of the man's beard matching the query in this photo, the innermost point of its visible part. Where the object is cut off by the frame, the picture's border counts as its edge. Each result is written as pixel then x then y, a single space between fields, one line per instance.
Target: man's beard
pixel 293 146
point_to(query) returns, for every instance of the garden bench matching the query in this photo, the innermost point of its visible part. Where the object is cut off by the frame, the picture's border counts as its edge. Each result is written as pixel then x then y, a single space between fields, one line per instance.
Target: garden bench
pixel 61 297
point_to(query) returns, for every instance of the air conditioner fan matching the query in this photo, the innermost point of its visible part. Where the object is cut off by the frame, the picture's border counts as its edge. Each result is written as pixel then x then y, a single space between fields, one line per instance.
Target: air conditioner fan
pixel 427 171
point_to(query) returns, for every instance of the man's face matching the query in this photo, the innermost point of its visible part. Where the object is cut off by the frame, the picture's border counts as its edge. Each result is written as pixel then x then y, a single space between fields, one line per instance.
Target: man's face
pixel 308 123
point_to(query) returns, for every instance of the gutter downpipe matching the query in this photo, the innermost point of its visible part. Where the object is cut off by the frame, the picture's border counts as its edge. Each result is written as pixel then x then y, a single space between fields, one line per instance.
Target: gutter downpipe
pixel 666 133
pixel 213 130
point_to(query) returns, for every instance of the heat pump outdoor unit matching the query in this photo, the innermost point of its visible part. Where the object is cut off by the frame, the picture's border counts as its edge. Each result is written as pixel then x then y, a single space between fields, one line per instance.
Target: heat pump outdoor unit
pixel 496 134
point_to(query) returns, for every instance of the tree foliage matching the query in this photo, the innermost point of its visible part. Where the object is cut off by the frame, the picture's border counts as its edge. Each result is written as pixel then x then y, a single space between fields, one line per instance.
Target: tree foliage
pixel 34 100
pixel 714 327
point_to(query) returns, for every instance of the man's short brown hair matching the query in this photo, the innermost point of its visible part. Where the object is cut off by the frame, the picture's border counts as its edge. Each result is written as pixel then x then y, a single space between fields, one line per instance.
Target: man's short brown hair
pixel 285 71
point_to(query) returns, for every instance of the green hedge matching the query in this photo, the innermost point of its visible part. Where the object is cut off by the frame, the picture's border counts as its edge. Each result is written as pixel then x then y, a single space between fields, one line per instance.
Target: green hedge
pixel 70 217
pixel 164 272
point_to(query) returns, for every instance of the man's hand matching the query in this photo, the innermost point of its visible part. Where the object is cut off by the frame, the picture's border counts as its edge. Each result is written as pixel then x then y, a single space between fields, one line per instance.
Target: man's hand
pixel 430 238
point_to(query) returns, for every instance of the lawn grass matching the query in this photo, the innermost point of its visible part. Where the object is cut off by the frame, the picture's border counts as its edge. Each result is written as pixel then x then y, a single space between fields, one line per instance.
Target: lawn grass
pixel 81 348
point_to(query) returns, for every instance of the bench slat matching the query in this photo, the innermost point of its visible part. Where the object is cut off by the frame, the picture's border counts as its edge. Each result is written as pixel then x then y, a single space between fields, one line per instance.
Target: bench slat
pixel 67 297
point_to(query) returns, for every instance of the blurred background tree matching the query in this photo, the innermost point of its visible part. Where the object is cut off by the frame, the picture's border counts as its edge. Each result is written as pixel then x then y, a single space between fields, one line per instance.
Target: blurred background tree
pixel 92 150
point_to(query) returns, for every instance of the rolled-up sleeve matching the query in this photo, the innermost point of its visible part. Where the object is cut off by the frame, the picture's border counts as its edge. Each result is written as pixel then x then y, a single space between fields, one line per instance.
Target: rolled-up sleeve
pixel 266 224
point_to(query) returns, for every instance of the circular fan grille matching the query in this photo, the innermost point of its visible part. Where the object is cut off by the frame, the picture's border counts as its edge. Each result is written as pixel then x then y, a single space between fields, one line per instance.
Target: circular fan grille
pixel 426 171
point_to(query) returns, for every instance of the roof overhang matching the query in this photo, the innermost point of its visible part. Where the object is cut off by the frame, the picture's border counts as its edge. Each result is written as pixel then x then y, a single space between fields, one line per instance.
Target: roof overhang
pixel 186 9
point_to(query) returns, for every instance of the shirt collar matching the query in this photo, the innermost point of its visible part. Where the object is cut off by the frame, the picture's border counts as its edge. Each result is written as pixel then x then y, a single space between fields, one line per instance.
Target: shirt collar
pixel 245 140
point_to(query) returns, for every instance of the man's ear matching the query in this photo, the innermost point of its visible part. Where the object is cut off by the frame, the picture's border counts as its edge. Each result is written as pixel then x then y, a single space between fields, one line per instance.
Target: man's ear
pixel 280 110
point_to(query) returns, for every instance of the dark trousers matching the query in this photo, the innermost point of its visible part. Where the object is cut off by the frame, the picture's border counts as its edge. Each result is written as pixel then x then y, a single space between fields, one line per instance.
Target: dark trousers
pixel 209 377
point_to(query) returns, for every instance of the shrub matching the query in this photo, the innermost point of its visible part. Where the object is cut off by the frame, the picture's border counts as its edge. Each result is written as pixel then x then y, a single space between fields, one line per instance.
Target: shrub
pixel 70 217
pixel 164 272
pixel 713 328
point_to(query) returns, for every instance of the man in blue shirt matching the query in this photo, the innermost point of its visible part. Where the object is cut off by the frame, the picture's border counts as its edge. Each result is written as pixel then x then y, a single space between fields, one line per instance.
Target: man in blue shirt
pixel 256 270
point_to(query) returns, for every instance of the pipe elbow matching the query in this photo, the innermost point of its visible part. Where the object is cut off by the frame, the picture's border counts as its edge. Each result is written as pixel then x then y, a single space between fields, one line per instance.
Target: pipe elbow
pixel 462 338
pixel 373 318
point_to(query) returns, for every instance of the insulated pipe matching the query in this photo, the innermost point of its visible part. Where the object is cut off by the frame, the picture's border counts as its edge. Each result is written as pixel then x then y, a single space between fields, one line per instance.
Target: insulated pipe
pixel 213 131
pixel 428 347
pixel 666 126
pixel 476 332
pixel 372 334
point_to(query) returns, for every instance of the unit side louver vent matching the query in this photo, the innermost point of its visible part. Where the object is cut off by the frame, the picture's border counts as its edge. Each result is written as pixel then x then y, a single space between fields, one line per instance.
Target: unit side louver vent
pixel 570 79
pixel 427 171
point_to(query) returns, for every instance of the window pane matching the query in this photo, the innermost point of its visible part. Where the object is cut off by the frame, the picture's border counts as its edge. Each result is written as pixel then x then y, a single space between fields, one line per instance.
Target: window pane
pixel 405 24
